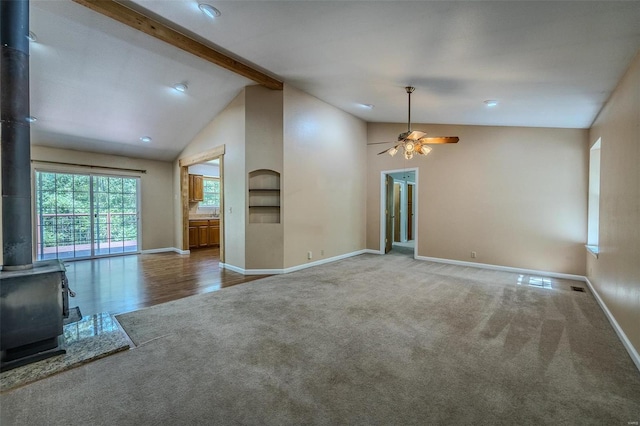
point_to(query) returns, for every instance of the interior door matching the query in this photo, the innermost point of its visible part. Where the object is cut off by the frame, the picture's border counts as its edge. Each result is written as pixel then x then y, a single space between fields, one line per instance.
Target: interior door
pixel 410 211
pixel 388 212
pixel 396 213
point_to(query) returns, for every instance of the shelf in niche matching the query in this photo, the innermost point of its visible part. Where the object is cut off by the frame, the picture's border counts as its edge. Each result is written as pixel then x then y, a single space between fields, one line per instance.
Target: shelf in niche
pixel 264 196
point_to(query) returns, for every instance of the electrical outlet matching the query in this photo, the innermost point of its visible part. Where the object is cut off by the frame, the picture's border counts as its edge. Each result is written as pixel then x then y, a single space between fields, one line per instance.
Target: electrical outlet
pixel 473 254
pixel 309 255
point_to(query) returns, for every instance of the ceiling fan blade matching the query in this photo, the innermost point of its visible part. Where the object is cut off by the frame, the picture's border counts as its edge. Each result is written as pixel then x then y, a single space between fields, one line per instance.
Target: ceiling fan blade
pixel 389 150
pixel 380 143
pixel 415 135
pixel 439 140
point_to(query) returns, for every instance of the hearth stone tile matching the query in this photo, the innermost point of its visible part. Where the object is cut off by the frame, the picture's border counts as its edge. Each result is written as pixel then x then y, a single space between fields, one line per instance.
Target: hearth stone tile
pixel 91 338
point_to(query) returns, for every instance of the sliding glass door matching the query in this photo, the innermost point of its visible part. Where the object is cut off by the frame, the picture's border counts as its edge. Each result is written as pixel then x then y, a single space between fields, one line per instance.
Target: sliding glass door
pixel 85 215
pixel 115 215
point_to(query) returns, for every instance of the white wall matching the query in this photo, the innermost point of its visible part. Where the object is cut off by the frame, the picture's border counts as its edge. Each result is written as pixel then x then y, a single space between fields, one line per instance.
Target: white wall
pixel 228 128
pixel 515 196
pixel 324 179
pixel 263 148
pixel 323 194
pixel 205 169
pixel 616 273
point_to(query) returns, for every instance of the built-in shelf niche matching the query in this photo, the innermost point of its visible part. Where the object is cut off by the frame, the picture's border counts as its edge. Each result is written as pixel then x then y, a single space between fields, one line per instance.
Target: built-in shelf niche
pixel 264 196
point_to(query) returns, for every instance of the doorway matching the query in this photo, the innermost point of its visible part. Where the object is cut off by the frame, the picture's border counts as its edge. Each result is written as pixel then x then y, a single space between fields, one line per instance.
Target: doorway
pixel 85 215
pixel 398 212
pixel 216 194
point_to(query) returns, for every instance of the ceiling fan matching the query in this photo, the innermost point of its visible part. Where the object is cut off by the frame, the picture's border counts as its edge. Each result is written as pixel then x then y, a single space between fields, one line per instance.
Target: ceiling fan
pixel 415 142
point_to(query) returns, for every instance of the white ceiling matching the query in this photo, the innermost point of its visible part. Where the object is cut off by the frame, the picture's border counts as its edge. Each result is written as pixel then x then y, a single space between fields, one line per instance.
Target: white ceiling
pixel 97 85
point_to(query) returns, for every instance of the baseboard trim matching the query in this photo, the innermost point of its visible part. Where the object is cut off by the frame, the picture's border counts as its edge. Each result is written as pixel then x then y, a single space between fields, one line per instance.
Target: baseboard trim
pixel 231 268
pixel 612 320
pixel 370 251
pixel 323 261
pixel 292 268
pixel 502 268
pixel 165 250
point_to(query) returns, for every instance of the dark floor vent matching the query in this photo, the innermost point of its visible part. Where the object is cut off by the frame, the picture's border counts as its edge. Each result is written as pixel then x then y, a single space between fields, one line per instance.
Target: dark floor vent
pixel 580 289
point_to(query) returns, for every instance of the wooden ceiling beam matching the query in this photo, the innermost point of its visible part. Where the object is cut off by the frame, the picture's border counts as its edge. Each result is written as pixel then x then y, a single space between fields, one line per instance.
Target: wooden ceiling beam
pixel 140 22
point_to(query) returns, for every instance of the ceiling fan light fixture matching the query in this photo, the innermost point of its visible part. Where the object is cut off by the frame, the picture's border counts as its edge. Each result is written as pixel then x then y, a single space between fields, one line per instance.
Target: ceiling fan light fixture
pixel 409 146
pixel 209 11
pixel 408 155
pixel 393 151
pixel 425 150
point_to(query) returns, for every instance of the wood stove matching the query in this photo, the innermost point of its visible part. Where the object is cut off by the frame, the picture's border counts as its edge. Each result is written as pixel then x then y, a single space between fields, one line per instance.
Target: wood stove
pixel 33 297
pixel 33 304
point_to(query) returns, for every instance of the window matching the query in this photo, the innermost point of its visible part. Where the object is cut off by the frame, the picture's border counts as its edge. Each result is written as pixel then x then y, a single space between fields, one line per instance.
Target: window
pixel 211 192
pixel 593 226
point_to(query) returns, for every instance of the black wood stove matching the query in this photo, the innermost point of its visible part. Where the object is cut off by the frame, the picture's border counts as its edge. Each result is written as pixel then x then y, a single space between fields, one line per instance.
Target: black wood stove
pixel 33 304
pixel 33 297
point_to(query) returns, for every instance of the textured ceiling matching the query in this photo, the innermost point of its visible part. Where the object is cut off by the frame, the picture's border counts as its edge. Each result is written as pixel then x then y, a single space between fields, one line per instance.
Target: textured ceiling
pixel 98 85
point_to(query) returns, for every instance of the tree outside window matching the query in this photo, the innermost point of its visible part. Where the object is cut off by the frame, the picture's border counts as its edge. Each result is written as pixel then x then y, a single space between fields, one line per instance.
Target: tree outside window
pixel 211 191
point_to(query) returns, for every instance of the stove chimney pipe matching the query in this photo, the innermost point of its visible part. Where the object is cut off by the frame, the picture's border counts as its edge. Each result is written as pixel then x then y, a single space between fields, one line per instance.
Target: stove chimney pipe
pixel 16 140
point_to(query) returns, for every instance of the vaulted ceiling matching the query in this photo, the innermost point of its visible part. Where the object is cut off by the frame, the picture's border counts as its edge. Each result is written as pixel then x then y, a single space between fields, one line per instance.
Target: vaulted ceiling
pixel 98 85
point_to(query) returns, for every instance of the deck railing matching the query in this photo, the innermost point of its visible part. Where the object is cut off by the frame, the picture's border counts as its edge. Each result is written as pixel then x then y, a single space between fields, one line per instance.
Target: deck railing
pixel 70 233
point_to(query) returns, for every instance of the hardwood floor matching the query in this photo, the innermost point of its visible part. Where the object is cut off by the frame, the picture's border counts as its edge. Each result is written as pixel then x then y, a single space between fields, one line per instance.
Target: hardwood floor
pixel 127 283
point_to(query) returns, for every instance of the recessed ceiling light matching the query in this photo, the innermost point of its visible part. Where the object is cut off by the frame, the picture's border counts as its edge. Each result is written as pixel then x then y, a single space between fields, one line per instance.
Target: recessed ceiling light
pixel 32 37
pixel 181 87
pixel 209 10
pixel 367 106
pixel 491 102
pixel 145 139
pixel 32 119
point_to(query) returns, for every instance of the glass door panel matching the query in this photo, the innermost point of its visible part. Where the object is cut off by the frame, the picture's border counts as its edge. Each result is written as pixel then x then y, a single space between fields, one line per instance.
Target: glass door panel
pixel 82 215
pixel 65 205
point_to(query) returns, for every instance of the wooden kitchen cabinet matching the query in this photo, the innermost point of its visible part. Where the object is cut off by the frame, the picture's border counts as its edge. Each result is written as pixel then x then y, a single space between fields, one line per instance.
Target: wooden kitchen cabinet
pixel 204 233
pixel 214 232
pixel 193 236
pixel 196 188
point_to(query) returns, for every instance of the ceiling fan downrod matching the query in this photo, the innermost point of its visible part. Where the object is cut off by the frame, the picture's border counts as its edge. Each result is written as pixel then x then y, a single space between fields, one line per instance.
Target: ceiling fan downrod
pixel 409 90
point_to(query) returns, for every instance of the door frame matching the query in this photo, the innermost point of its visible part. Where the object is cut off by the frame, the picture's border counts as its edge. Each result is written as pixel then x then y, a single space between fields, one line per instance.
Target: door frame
pixel 383 197
pixel 411 215
pixel 397 212
pixel 80 170
pixel 184 163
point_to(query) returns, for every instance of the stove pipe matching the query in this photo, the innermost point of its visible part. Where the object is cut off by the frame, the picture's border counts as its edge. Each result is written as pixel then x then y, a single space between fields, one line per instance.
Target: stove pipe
pixel 16 141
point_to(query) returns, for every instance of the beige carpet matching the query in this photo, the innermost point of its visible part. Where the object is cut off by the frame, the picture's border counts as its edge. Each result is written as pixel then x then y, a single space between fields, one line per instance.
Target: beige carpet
pixel 367 340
